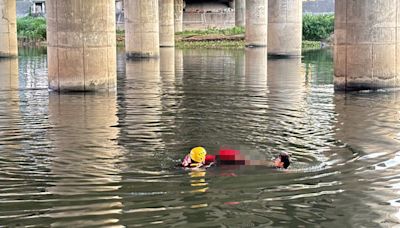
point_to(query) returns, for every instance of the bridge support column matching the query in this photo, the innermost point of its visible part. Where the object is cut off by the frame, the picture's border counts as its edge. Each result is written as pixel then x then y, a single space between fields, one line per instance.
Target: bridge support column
pixel 167 23
pixel 367 50
pixel 178 14
pixel 285 27
pixel 256 23
pixel 240 12
pixel 81 45
pixel 8 29
pixel 142 29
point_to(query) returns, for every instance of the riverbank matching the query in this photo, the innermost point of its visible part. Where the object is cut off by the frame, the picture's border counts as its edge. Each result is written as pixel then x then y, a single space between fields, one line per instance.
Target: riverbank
pixel 198 41
pixel 218 41
pixel 316 34
pixel 205 41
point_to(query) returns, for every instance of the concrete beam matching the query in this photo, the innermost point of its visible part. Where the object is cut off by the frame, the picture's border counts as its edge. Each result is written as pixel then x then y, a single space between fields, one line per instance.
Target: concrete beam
pixel 81 45
pixel 142 29
pixel 8 29
pixel 256 23
pixel 367 51
pixel 167 23
pixel 240 12
pixel 285 27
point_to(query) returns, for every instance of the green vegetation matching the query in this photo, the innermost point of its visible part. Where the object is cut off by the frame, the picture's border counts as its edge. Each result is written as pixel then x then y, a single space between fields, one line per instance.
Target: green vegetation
pixel 211 44
pixel 318 27
pixel 213 31
pixel 31 28
pixel 307 45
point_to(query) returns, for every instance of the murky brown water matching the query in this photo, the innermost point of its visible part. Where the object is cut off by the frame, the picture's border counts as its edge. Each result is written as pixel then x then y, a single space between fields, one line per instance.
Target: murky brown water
pixel 90 160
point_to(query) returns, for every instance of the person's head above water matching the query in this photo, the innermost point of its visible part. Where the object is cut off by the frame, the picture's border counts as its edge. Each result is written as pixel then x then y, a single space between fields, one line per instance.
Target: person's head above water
pixel 198 154
pixel 282 161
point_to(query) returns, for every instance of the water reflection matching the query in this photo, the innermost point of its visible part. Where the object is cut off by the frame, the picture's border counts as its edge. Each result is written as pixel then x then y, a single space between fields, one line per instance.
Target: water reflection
pixel 167 74
pixel 9 74
pixel 318 65
pixel 178 65
pixel 198 181
pixel 85 152
pixel 365 122
pixel 142 107
pixel 287 92
pixel 170 82
pixel 208 86
pixel 9 113
pixel 10 124
pixel 256 68
pixel 33 70
pixel 84 124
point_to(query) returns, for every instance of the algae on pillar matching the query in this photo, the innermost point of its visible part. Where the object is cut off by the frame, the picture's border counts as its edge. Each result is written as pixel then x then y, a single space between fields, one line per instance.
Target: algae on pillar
pixel 178 14
pixel 256 23
pixel 8 28
pixel 142 29
pixel 366 52
pixel 81 45
pixel 240 12
pixel 167 23
pixel 285 27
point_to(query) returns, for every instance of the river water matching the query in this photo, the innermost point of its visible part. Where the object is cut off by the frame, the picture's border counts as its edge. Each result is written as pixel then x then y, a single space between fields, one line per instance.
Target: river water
pixel 108 159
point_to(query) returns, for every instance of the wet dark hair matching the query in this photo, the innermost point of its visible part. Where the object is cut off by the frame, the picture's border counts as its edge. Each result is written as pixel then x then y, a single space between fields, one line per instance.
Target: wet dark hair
pixel 285 159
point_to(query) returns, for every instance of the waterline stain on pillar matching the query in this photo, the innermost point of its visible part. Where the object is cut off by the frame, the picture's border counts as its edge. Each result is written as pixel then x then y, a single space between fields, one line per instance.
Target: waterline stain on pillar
pixel 142 29
pixel 256 23
pixel 8 29
pixel 366 44
pixel 81 45
pixel 284 27
pixel 167 23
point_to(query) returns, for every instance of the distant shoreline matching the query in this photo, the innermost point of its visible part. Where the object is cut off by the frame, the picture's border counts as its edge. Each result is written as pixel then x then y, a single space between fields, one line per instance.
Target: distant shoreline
pixel 209 41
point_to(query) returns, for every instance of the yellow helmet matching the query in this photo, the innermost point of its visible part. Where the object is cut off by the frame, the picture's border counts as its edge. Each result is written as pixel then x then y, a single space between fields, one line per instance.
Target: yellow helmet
pixel 198 154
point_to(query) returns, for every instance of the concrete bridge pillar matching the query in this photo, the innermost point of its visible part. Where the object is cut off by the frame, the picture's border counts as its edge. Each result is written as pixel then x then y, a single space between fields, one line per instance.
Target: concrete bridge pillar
pixel 178 14
pixel 240 12
pixel 256 23
pixel 285 27
pixel 367 50
pixel 81 45
pixel 8 29
pixel 142 29
pixel 167 23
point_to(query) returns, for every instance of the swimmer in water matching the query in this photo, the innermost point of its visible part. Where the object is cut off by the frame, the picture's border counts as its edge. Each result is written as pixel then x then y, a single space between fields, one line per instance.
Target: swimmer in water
pixel 198 158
